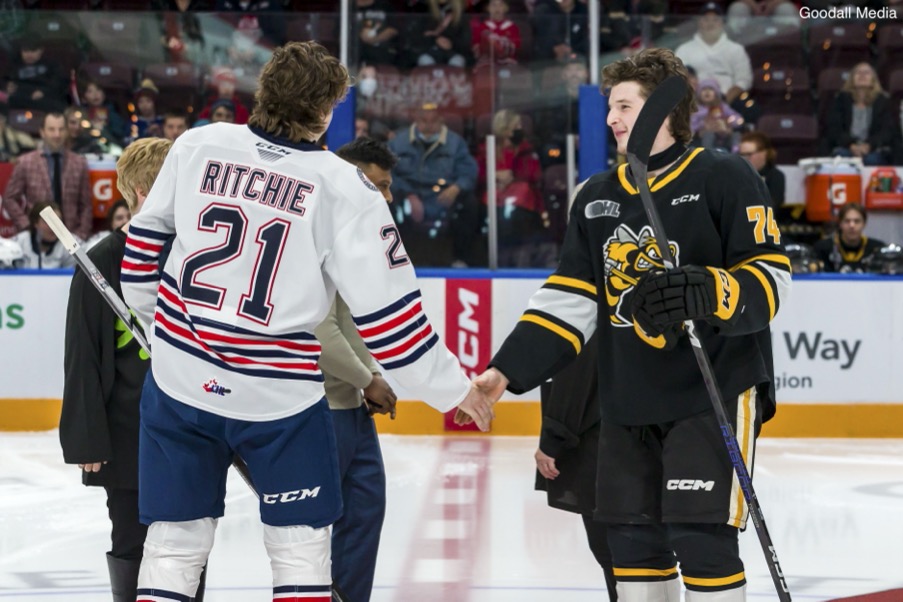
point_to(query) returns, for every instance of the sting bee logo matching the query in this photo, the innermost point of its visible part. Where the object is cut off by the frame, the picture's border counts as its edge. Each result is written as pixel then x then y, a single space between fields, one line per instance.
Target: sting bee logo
pixel 627 257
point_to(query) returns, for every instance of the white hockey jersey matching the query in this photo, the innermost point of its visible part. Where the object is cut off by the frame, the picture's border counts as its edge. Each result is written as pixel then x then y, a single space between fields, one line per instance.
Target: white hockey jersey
pixel 265 232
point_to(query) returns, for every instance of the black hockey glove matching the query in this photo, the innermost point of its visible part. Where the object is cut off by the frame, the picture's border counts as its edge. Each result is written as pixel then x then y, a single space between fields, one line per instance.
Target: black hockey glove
pixel 664 298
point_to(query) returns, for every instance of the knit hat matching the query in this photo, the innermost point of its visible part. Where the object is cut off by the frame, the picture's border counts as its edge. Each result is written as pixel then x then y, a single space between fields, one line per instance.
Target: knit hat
pixel 148 88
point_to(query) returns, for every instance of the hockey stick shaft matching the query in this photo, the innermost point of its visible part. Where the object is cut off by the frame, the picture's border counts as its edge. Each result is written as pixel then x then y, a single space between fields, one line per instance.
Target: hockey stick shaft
pixel 639 170
pixel 115 302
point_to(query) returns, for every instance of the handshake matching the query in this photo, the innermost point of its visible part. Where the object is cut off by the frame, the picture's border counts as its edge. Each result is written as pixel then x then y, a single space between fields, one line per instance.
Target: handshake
pixel 485 391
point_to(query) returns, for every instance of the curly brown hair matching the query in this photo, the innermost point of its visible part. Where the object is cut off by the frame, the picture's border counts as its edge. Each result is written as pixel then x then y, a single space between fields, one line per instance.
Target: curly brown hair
pixel 649 68
pixel 298 87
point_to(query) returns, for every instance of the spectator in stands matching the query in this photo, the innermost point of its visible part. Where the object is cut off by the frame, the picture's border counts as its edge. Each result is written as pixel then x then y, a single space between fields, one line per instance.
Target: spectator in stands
pixel 713 55
pixel 146 121
pixel 756 148
pixel 361 128
pixel 180 29
pixel 848 248
pixel 715 124
pixel 558 113
pixel 376 31
pixel 441 36
pixel 248 52
pixel 496 39
pixel 34 82
pixel 51 173
pixel 80 138
pixel 41 249
pixel 265 13
pixel 175 123
pixel 861 122
pixel 118 215
pixel 12 142
pixel 524 240
pixel 102 114
pixel 632 24
pixel 560 30
pixel 433 187
pixel 781 12
pixel 224 79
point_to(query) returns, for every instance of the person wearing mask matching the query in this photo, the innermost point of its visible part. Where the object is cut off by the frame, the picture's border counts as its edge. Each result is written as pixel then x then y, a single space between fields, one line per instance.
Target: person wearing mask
pixel 848 248
pixel 434 185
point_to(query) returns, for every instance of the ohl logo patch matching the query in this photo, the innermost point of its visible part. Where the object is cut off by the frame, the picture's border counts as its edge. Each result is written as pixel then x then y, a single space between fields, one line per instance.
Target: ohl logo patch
pixel 627 257
pixel 211 386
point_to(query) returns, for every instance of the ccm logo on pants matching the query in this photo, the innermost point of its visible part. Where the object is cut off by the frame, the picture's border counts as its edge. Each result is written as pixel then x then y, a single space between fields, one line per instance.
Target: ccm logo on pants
pixel 689 485
pixel 290 496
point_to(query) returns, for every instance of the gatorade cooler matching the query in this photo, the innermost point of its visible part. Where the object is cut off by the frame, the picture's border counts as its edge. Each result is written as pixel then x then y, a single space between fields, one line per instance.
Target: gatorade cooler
pixel 102 175
pixel 830 183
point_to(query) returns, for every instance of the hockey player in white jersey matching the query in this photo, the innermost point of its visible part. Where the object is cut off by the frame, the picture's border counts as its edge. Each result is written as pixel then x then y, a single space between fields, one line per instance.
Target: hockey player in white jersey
pixel 267 227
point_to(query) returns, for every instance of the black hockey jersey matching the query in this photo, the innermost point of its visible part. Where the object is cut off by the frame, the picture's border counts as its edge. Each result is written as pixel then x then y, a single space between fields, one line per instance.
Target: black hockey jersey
pixel 715 212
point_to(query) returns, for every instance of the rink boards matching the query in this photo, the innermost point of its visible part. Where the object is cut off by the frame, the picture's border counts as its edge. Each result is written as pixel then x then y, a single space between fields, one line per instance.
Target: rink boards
pixel 838 348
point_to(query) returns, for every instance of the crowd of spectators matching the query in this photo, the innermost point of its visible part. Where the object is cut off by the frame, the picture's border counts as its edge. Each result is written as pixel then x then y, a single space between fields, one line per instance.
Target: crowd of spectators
pixel 433 77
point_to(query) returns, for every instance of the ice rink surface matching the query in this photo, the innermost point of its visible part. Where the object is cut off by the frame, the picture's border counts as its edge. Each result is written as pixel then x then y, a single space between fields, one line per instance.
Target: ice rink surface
pixel 464 525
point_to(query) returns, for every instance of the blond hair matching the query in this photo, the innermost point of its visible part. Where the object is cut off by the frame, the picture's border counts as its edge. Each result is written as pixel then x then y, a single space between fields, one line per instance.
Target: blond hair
pixel 868 96
pixel 297 89
pixel 503 121
pixel 138 167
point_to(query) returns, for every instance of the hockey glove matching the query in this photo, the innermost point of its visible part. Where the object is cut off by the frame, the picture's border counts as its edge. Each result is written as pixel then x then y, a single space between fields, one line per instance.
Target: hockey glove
pixel 664 298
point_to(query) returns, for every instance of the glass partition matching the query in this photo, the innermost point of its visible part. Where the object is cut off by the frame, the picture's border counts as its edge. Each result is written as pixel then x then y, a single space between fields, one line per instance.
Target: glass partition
pixel 434 86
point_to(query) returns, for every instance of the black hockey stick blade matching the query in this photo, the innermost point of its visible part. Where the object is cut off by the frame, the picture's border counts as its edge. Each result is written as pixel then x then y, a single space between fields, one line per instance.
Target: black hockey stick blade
pixel 658 106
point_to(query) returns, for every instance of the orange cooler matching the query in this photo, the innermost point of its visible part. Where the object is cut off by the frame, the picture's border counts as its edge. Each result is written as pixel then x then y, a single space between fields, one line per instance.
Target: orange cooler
pixel 829 186
pixel 102 175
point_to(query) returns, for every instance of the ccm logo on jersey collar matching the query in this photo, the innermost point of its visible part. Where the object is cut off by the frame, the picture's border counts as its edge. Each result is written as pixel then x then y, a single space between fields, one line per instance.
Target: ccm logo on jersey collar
pixel 596 209
pixel 273 148
pixel 687 198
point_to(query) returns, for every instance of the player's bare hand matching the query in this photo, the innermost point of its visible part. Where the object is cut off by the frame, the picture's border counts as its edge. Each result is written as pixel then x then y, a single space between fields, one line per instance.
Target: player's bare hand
pixel 91 466
pixel 380 397
pixel 485 391
pixel 545 464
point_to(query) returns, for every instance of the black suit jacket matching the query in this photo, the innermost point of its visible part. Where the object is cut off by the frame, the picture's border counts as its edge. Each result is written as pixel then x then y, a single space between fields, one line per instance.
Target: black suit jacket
pixel 882 130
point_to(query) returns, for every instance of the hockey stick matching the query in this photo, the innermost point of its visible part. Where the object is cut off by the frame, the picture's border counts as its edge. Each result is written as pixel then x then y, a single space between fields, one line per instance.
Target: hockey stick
pixel 115 302
pixel 658 106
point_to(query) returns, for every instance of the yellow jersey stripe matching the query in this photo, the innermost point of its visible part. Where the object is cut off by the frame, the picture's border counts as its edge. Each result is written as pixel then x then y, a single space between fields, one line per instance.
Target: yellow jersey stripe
pixel 742 438
pixel 769 291
pixel 714 581
pixel 573 283
pixel 773 257
pixel 653 184
pixel 659 184
pixel 621 572
pixel 568 336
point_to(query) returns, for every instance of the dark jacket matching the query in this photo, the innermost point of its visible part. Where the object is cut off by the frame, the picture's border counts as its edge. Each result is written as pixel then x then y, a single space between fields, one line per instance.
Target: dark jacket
pixel 104 373
pixel 571 414
pixel 881 134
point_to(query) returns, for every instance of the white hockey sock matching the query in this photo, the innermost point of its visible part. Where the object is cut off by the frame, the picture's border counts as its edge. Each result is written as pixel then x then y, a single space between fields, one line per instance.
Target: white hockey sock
pixel 649 591
pixel 738 594
pixel 174 555
pixel 300 558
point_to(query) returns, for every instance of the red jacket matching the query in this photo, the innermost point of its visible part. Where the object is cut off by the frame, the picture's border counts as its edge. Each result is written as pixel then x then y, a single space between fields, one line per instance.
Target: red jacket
pixel 495 40
pixel 241 111
pixel 523 161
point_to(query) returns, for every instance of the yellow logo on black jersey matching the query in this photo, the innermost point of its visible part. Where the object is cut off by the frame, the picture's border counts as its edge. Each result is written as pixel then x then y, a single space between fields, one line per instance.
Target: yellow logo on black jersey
pixel 627 257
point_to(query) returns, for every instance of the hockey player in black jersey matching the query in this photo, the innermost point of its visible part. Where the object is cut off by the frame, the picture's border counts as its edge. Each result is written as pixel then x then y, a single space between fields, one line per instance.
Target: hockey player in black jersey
pixel 665 482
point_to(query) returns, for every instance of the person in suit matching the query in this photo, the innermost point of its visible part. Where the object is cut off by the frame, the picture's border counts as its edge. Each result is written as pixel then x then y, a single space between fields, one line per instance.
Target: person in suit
pixel 53 173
